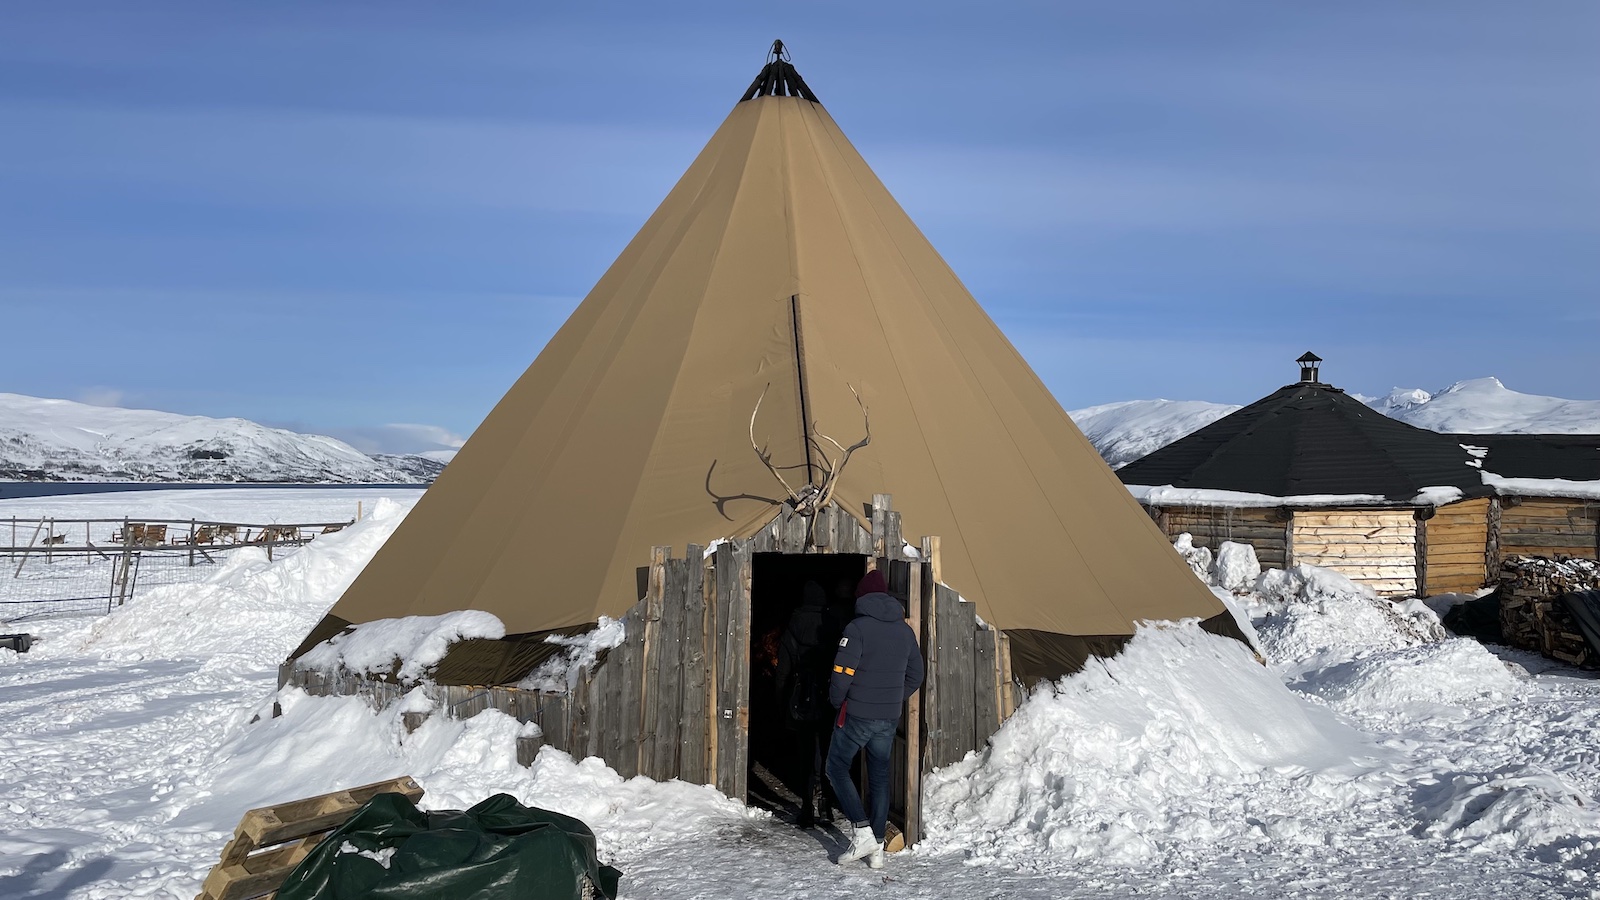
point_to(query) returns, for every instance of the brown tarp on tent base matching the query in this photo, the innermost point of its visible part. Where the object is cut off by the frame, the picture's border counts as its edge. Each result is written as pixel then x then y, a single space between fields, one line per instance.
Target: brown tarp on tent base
pixel 778 264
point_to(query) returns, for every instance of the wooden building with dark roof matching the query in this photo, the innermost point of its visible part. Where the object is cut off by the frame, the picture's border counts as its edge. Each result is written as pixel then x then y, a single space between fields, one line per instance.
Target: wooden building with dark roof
pixel 1309 474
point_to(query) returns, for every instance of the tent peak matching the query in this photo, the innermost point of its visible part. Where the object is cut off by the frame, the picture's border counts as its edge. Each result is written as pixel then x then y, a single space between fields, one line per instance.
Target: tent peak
pixel 778 78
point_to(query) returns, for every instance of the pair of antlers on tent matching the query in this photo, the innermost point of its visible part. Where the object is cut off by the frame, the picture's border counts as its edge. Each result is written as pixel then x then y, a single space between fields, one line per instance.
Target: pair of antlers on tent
pixel 813 497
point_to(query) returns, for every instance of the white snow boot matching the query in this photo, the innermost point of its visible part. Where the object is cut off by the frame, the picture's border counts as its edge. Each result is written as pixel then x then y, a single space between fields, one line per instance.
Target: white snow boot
pixel 875 858
pixel 863 845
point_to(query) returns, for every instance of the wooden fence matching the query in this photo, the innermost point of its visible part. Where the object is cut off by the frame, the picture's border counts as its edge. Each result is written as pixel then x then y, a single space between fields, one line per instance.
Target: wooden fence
pixel 673 699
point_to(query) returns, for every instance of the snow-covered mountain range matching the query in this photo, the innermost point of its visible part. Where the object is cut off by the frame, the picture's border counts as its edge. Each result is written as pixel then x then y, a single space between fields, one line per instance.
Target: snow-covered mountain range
pixel 60 440
pixel 1125 431
pixel 1485 406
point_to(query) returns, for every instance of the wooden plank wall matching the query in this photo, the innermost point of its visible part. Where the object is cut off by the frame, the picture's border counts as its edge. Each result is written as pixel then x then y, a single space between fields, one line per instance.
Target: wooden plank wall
pixel 1547 526
pixel 1263 529
pixel 1374 547
pixel 1458 537
pixel 968 674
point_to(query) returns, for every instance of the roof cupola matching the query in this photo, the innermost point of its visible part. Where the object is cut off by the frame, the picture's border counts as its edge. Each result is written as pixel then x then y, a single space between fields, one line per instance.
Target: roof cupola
pixel 1309 366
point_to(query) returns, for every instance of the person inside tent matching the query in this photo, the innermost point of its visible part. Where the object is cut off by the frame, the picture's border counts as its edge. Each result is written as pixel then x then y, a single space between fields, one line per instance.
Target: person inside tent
pixel 804 653
pixel 876 670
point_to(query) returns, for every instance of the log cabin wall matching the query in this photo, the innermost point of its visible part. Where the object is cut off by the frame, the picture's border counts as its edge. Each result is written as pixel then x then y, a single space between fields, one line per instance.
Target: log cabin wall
pixel 1457 542
pixel 1374 547
pixel 1264 529
pixel 1548 526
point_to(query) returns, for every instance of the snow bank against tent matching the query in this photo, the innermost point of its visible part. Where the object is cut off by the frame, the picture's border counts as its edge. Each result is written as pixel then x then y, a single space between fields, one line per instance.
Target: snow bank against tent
pixel 407 646
pixel 323 744
pixel 252 612
pixel 1181 740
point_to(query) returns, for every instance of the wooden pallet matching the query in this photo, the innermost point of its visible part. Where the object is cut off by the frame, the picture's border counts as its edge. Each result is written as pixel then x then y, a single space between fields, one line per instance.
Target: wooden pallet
pixel 272 840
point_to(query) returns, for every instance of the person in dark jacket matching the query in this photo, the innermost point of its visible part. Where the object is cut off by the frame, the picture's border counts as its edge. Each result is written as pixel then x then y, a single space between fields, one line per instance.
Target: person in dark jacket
pixel 876 670
pixel 804 653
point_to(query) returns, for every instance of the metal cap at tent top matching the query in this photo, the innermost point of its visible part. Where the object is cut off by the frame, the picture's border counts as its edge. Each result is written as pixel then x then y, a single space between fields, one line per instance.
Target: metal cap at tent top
pixel 778 78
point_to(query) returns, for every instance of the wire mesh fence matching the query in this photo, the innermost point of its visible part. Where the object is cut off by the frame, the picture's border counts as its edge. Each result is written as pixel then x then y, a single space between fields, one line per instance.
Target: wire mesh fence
pixel 91 566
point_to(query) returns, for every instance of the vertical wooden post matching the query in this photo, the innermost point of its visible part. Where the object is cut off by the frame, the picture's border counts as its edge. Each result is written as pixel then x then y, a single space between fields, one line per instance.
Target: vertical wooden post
pixel 713 628
pixel 648 712
pixel 933 681
pixel 733 696
pixel 880 525
pixel 985 687
pixel 1421 549
pixel 693 708
pixel 671 646
pixel 49 542
pixel 913 802
pixel 1288 539
pixel 191 543
pixel 1491 544
pixel 1008 685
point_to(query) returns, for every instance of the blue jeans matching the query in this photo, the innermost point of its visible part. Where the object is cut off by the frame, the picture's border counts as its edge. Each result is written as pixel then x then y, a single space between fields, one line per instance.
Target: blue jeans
pixel 877 735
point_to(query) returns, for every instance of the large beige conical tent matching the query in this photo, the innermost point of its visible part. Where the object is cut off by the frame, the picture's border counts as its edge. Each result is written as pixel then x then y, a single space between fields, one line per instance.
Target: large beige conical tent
pixel 779 263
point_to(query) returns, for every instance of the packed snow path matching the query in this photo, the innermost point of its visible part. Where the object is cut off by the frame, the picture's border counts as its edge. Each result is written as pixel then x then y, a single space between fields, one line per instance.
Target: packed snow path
pixel 1393 764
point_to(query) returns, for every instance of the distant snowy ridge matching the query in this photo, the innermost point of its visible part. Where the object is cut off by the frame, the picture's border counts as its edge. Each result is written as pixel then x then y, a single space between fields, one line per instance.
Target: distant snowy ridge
pixel 1485 406
pixel 60 440
pixel 1125 431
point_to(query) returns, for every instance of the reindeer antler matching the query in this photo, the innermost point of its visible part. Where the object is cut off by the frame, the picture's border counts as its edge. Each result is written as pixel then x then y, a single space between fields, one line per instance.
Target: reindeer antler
pixel 762 452
pixel 812 497
pixel 833 470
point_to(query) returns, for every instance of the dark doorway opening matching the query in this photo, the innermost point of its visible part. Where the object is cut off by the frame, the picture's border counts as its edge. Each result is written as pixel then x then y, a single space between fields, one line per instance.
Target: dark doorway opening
pixel 786 744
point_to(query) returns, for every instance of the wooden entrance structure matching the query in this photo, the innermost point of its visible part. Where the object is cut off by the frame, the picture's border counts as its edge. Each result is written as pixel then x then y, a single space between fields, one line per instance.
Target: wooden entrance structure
pixel 673 700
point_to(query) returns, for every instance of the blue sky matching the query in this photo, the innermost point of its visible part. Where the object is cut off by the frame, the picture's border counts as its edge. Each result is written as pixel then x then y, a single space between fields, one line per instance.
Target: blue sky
pixel 366 219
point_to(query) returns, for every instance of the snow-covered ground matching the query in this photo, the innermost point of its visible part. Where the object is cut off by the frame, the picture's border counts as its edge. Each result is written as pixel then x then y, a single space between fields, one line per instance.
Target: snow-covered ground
pixel 60 440
pixel 1368 758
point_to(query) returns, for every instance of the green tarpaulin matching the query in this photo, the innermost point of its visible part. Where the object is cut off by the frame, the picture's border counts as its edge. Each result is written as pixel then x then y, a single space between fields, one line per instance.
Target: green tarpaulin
pixel 497 850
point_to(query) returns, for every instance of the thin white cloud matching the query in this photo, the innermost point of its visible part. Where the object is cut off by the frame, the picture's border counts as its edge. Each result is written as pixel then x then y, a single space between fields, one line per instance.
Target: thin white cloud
pixel 400 437
pixel 102 396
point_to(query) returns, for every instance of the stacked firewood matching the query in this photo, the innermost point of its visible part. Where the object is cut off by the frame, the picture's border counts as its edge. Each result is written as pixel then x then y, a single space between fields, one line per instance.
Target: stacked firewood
pixel 1532 615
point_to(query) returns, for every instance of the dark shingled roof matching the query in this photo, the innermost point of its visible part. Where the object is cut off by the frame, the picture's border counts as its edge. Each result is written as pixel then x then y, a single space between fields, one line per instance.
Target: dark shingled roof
pixel 1311 438
pixel 1575 457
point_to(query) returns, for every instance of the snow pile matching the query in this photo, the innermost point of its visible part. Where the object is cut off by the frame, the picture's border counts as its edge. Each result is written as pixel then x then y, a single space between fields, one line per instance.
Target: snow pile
pixel 1236 568
pixel 1125 431
pixel 1514 807
pixel 407 646
pixel 1311 618
pixel 579 654
pixel 1412 682
pixel 323 744
pixel 1198 558
pixel 1180 741
pixel 250 613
